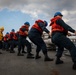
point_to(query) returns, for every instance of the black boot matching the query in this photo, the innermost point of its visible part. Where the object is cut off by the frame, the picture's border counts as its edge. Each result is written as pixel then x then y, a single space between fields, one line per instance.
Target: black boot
pixel 74 66
pixel 47 58
pixel 37 56
pixel 19 54
pixel 24 52
pixel 12 51
pixel 30 56
pixel 0 52
pixel 58 61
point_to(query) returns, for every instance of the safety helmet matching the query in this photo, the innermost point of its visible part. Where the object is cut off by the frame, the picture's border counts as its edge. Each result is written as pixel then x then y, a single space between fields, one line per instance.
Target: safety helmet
pixel 7 33
pixel 45 22
pixel 58 13
pixel 2 28
pixel 27 23
pixel 13 30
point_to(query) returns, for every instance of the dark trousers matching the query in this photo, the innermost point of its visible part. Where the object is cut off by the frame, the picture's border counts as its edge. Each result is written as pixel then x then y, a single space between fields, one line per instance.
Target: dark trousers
pixel 13 44
pixel 63 42
pixel 1 44
pixel 38 41
pixel 7 45
pixel 22 43
pixel 4 44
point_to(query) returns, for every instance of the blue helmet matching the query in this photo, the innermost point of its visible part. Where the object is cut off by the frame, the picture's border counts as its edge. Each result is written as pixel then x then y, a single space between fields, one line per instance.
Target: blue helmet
pixel 45 22
pixel 58 13
pixel 13 30
pixel 27 23
pixel 7 33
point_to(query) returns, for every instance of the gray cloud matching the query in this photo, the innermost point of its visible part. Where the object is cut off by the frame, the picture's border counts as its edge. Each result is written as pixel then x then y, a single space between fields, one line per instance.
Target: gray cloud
pixel 44 5
pixel 47 8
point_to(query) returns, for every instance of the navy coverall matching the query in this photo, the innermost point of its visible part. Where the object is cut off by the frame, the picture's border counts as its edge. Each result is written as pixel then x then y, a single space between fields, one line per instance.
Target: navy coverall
pixel 36 37
pixel 24 42
pixel 62 41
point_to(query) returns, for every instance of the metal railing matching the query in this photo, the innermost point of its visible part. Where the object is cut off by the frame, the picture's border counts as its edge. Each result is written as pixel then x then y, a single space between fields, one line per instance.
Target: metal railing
pixel 50 45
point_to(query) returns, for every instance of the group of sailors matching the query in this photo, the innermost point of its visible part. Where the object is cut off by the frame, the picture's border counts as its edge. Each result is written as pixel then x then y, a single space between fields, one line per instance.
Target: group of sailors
pixel 59 31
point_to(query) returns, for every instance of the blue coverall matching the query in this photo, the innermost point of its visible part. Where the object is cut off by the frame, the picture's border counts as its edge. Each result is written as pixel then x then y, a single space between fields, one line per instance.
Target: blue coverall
pixel 36 37
pixel 62 41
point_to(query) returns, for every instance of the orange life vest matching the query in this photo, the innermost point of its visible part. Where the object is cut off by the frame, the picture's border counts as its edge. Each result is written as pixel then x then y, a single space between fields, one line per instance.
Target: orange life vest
pixel 36 26
pixel 22 32
pixel 6 37
pixel 15 37
pixel 11 37
pixel 55 26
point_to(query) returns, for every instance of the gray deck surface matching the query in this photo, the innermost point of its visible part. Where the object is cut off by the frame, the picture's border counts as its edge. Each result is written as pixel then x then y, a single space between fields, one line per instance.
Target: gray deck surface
pixel 11 64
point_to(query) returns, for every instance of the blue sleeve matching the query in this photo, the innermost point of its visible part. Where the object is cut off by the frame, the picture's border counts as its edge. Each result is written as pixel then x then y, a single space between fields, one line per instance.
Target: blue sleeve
pixel 43 27
pixel 64 25
pixel 23 29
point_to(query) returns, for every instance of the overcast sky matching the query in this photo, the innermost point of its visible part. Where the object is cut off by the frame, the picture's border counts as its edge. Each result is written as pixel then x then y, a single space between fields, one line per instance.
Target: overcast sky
pixel 13 13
